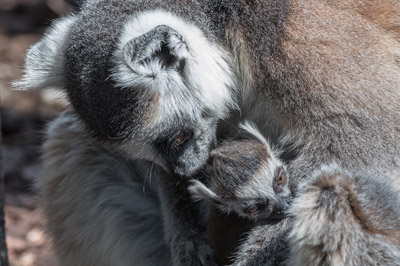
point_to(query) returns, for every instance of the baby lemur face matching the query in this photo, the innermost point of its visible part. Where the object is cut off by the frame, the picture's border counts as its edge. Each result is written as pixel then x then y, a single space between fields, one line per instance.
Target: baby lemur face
pixel 247 178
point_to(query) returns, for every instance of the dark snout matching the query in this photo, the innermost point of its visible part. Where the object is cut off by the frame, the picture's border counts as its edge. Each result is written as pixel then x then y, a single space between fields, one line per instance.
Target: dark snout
pixel 195 154
pixel 279 209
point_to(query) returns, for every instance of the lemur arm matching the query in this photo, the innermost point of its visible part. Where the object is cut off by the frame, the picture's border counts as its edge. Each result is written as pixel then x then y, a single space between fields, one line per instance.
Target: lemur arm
pixel 184 224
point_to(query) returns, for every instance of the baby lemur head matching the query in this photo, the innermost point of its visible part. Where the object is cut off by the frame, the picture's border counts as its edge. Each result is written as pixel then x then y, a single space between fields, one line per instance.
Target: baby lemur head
pixel 245 177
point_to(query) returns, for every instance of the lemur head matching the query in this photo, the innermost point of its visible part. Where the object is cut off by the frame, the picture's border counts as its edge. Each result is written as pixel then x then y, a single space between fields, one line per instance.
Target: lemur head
pixel 245 177
pixel 150 84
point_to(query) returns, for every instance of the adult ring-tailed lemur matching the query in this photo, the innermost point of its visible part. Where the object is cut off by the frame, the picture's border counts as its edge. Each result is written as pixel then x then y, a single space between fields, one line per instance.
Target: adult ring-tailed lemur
pixel 149 81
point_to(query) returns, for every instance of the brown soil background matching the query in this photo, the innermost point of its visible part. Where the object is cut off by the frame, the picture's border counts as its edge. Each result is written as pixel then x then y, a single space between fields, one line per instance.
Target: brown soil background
pixel 24 115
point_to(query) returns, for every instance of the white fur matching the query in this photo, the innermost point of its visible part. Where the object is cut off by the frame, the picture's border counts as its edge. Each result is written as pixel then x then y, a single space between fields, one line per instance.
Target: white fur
pixel 200 192
pixel 206 80
pixel 44 66
pixel 252 129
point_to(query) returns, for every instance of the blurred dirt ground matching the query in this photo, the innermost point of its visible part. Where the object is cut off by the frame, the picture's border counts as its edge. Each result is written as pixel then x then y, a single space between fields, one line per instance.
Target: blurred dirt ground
pixel 24 115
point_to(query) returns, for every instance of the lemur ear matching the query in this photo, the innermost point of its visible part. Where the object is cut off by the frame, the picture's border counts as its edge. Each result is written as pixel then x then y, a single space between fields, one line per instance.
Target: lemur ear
pixel 162 45
pixel 199 191
pixel 44 61
pixel 252 131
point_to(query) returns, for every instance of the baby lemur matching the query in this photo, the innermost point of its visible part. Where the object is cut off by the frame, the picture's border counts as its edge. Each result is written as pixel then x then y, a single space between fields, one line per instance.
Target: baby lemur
pixel 245 177
pixel 247 184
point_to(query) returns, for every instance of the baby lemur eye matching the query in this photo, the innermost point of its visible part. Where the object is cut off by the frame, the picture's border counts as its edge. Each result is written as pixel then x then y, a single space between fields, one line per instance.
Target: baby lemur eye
pixel 280 179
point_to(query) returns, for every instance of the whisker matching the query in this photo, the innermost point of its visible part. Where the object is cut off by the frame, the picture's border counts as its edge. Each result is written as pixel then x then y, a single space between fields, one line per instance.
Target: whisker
pixel 149 174
pixel 230 123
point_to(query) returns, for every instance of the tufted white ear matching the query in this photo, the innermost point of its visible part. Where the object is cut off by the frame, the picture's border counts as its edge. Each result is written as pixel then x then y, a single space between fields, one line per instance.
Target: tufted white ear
pixel 44 61
pixel 162 46
pixel 199 191
pixel 157 47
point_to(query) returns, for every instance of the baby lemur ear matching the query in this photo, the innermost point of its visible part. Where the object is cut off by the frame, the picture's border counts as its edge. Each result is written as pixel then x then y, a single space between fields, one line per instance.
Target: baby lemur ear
pixel 44 64
pixel 162 46
pixel 199 191
pixel 251 130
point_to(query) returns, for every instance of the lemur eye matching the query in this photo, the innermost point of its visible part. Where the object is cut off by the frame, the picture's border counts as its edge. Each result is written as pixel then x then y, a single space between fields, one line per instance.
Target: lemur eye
pixel 182 138
pixel 174 143
pixel 253 209
pixel 281 177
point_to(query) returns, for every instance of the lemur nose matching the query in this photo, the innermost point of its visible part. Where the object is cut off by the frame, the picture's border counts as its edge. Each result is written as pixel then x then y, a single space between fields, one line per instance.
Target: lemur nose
pixel 280 208
pixel 213 144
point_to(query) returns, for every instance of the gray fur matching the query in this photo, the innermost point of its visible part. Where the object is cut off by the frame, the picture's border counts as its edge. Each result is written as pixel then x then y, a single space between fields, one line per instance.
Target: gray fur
pixel 242 177
pixel 91 209
pixel 345 219
pixel 324 76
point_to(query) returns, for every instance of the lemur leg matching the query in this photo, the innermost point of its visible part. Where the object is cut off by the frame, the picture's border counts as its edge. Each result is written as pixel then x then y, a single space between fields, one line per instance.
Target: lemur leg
pixel 185 224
